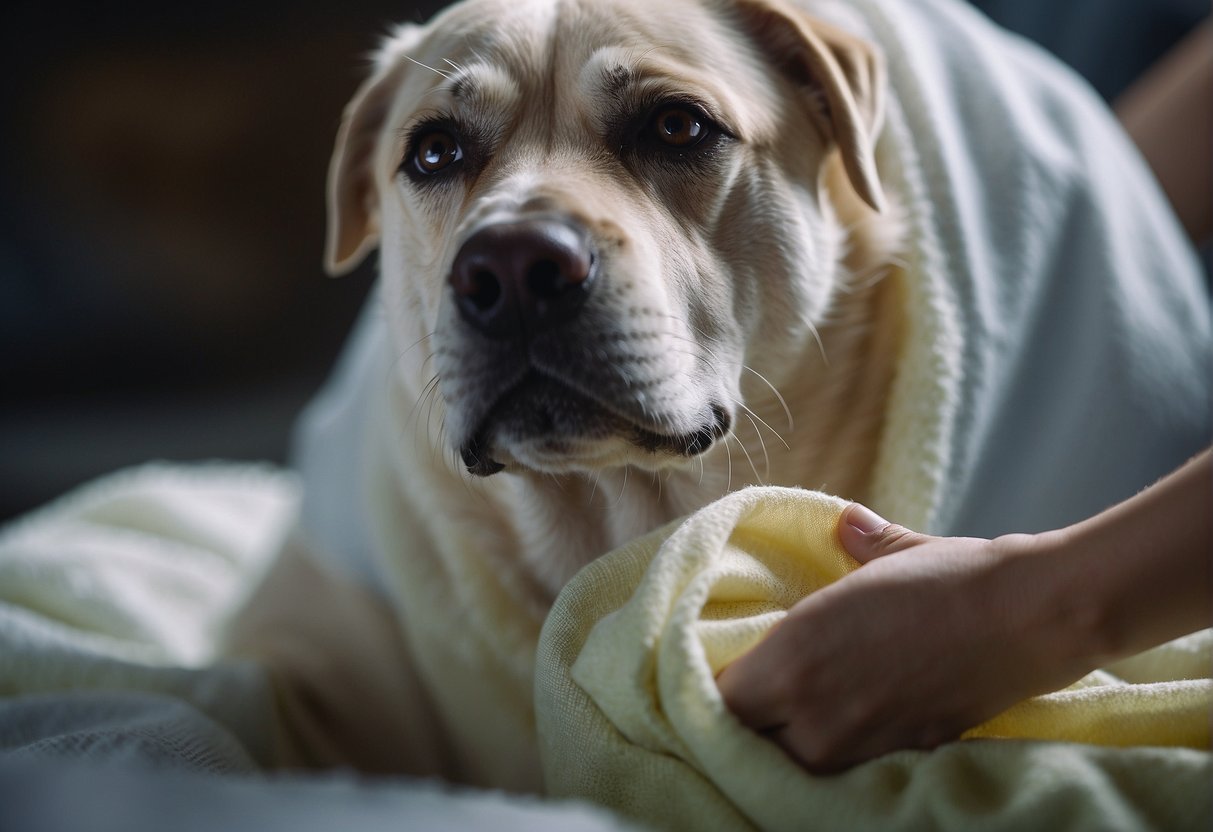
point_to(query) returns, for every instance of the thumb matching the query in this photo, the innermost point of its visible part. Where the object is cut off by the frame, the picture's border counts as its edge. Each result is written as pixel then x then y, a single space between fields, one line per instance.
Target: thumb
pixel 867 536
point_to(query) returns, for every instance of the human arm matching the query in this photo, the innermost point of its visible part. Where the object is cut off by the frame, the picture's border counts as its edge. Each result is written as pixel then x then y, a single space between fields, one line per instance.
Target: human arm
pixel 1169 114
pixel 932 636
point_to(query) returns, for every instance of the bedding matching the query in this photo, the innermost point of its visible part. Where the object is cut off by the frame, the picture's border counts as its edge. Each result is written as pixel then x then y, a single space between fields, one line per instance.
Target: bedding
pixel 1056 359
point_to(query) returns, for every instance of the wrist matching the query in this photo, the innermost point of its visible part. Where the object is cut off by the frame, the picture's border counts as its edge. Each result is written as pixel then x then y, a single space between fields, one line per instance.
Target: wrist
pixel 1053 605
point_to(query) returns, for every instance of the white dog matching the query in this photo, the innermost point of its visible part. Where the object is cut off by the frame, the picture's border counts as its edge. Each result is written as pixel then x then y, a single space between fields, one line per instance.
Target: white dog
pixel 633 256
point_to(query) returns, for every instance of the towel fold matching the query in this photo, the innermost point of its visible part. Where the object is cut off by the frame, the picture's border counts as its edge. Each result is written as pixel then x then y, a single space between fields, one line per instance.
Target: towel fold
pixel 627 660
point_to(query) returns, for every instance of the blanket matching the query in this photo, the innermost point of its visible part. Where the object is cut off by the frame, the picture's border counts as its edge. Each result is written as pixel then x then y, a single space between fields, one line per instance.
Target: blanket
pixel 118 707
pixel 627 661
pixel 112 604
pixel 1055 359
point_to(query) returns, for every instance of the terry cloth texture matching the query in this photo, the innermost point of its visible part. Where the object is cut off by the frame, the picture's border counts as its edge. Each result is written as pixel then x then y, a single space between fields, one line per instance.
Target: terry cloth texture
pixel 1057 316
pixel 112 602
pixel 112 605
pixel 630 717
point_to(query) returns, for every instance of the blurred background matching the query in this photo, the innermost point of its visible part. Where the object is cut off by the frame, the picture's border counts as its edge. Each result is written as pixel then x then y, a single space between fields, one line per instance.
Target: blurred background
pixel 162 187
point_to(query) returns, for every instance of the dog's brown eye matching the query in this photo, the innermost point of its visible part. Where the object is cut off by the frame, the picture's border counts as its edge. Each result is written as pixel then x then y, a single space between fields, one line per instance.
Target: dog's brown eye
pixel 436 149
pixel 679 127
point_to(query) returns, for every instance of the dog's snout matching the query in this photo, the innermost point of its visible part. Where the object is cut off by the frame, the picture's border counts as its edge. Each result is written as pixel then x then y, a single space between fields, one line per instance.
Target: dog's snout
pixel 511 278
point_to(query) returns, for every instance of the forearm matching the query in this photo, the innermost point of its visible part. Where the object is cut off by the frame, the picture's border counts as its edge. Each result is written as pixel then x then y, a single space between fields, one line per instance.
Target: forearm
pixel 1132 577
pixel 1169 114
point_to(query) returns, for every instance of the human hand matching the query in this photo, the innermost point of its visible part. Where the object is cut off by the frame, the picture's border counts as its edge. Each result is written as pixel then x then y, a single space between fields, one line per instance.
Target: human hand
pixel 929 637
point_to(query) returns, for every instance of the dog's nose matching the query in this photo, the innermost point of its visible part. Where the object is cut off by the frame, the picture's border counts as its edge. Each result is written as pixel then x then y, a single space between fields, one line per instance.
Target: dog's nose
pixel 524 276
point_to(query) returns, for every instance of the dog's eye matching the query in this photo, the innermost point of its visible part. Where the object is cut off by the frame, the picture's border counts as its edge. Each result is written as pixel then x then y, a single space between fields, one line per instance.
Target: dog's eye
pixel 679 127
pixel 436 150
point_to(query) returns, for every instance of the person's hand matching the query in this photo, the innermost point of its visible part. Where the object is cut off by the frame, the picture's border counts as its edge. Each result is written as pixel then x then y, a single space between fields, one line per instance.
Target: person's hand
pixel 929 637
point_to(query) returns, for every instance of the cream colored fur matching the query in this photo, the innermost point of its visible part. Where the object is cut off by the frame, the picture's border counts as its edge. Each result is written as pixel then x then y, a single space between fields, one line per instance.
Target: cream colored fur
pixel 763 283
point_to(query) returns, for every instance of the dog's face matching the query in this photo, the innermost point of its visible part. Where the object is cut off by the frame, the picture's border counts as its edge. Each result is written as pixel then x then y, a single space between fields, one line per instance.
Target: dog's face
pixel 597 215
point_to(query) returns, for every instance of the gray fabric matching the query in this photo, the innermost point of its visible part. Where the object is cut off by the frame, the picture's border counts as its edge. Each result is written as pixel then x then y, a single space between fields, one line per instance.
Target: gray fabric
pixel 40 798
pixel 118 728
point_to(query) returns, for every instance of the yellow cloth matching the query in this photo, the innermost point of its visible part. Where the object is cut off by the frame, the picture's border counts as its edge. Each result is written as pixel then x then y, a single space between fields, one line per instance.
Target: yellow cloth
pixel 629 715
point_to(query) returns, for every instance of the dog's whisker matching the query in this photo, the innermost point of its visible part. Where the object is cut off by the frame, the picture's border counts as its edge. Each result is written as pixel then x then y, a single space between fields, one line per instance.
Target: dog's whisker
pixel 749 459
pixel 787 411
pixel 821 347
pixel 421 397
pixel 721 362
pixel 763 444
pixel 414 345
pixel 433 397
pixel 414 419
pixel 427 66
pixel 624 487
pixel 594 490
pixel 728 486
pixel 763 422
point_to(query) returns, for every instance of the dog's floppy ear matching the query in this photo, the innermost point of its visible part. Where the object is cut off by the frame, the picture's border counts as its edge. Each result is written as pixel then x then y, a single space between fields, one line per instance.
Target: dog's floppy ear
pixel 353 199
pixel 846 70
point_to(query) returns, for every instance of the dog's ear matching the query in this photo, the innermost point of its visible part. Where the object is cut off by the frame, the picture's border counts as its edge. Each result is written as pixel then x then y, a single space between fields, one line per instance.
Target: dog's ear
pixel 353 198
pixel 845 71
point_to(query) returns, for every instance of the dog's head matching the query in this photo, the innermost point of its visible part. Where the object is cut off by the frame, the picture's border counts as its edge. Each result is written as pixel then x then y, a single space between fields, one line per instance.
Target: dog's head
pixel 596 215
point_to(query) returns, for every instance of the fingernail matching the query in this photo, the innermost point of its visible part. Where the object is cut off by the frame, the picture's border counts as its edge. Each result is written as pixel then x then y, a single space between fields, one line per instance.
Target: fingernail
pixel 864 519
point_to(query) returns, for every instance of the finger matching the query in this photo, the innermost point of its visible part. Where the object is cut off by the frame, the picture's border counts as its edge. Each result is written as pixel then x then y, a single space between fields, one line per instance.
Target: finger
pixel 814 747
pixel 867 536
pixel 749 691
pixel 743 697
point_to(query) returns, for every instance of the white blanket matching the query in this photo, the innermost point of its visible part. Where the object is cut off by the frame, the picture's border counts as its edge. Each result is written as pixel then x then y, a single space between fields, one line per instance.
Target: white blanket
pixel 112 602
pixel 1073 353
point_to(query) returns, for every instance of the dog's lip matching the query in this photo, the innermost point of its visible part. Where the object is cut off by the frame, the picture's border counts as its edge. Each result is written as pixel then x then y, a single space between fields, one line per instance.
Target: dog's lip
pixel 475 452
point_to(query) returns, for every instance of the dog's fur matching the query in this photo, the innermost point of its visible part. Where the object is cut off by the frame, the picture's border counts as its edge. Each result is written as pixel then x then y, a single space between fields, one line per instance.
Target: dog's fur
pixel 728 278
pixel 742 325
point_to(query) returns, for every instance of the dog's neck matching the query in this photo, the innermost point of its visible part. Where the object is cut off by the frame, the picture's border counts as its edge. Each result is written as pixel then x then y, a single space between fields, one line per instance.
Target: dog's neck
pixel 821 433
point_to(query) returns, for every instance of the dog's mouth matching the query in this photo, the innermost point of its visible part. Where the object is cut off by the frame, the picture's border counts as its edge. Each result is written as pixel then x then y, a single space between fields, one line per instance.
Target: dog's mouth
pixel 555 421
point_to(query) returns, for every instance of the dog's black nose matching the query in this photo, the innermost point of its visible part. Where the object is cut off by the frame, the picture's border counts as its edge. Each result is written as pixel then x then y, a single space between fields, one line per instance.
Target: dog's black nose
pixel 524 276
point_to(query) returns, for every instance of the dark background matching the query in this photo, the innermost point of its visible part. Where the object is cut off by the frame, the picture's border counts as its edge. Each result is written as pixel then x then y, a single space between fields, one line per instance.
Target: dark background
pixel 162 177
pixel 162 192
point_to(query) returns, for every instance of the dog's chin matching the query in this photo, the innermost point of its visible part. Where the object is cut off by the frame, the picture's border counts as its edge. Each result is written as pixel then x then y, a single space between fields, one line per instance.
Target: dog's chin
pixel 543 425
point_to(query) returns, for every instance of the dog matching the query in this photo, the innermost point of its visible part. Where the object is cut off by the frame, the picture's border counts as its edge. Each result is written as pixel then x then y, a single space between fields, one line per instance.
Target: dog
pixel 632 257
pixel 617 256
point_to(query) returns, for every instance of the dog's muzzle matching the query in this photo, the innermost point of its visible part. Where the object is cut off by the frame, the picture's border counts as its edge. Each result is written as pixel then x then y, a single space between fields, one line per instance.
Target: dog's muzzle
pixel 515 279
pixel 521 286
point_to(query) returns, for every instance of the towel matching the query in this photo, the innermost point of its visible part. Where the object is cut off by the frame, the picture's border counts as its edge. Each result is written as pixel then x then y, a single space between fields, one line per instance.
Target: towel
pixel 629 715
